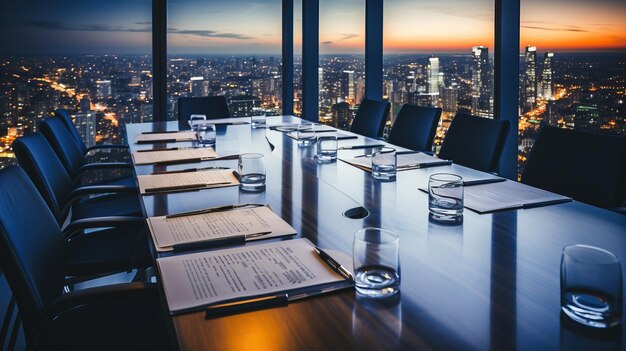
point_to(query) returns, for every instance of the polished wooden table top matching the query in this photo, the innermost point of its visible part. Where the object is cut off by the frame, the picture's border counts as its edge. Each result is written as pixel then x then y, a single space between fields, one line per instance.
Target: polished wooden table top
pixel 490 283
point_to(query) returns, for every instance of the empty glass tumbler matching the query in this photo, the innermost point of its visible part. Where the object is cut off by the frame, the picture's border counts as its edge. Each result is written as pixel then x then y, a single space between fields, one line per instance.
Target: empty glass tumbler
pixel 258 119
pixel 326 148
pixel 205 134
pixel 591 286
pixel 305 134
pixel 251 169
pixel 384 163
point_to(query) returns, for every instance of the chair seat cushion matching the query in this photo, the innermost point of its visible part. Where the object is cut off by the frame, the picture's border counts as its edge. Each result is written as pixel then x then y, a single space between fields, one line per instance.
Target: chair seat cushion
pixel 107 205
pixel 109 250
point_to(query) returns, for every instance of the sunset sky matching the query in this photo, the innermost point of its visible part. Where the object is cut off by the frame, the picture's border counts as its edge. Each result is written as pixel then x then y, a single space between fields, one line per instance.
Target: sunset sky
pixel 254 27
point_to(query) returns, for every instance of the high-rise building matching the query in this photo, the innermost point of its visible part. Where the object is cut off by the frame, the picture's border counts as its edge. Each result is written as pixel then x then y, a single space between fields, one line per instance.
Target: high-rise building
pixel 481 82
pixel 551 116
pixel 450 97
pixel 103 89
pixel 529 98
pixel 85 104
pixel 341 115
pixel 196 86
pixel 433 75
pixel 587 118
pixel 242 105
pixel 85 123
pixel 547 85
pixel 323 92
pixel 348 87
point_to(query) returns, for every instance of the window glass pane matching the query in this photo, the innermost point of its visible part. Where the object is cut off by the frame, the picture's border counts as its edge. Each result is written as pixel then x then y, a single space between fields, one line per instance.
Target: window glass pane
pixel 342 62
pixel 91 58
pixel 229 48
pixel 297 57
pixel 439 54
pixel 572 68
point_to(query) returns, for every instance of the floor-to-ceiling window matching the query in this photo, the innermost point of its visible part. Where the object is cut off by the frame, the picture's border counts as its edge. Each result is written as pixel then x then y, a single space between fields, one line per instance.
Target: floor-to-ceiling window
pixel 439 54
pixel 341 73
pixel 91 58
pixel 230 48
pixel 572 68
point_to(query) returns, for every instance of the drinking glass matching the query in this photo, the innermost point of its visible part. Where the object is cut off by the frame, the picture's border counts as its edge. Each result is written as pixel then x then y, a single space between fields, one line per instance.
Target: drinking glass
pixel 251 170
pixel 445 197
pixel 591 286
pixel 326 148
pixel 376 259
pixel 195 119
pixel 205 134
pixel 384 163
pixel 305 134
pixel 258 118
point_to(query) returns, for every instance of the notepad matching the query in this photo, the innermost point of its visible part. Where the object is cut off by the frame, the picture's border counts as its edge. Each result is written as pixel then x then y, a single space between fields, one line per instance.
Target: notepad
pixel 168 232
pixel 164 137
pixel 509 194
pixel 174 156
pixel 174 182
pixel 195 281
pixel 404 161
pixel 318 134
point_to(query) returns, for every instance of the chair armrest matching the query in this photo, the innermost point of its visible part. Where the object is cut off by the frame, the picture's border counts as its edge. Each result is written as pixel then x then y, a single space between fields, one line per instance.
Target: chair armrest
pixel 95 189
pixel 76 227
pixel 108 146
pixel 104 165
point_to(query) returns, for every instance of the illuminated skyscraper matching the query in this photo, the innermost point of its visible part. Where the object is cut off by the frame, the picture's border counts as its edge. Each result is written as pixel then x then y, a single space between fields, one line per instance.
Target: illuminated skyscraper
pixel 341 115
pixel 481 82
pixel 529 99
pixel 85 123
pixel 433 75
pixel 547 86
pixel 196 86
pixel 103 89
pixel 348 87
pixel 587 118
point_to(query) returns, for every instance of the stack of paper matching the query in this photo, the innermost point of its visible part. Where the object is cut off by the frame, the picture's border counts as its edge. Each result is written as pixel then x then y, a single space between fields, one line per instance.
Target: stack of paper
pixel 165 137
pixel 405 161
pixel 163 183
pixel 205 279
pixel 509 194
pixel 182 155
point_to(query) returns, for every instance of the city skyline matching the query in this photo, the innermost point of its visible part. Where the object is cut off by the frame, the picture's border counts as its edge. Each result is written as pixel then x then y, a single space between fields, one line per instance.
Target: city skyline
pixel 253 27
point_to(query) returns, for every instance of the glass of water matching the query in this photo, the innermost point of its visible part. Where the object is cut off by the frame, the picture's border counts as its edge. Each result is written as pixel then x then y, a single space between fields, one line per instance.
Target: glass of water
pixel 258 118
pixel 376 259
pixel 251 170
pixel 445 197
pixel 195 119
pixel 305 134
pixel 326 148
pixel 384 163
pixel 205 134
pixel 591 286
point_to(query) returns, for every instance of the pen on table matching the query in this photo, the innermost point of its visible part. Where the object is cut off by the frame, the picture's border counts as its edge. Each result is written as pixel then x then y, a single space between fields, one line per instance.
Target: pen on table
pixel 227 241
pixel 156 141
pixel 183 187
pixel 167 149
pixel 188 170
pixel 353 147
pixel 336 266
pixel 212 209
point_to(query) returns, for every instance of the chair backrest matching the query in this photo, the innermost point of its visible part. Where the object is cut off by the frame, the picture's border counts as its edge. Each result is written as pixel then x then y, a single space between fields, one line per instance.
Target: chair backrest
pixel 370 118
pixel 36 157
pixel 64 116
pixel 587 167
pixel 212 107
pixel 415 127
pixel 475 142
pixel 32 247
pixel 63 144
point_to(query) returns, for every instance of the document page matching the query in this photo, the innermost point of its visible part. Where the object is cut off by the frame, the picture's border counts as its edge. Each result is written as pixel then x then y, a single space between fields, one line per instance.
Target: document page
pixel 404 161
pixel 339 136
pixel 236 120
pixel 201 279
pixel 156 137
pixel 214 225
pixel 507 195
pixel 152 183
pixel 165 156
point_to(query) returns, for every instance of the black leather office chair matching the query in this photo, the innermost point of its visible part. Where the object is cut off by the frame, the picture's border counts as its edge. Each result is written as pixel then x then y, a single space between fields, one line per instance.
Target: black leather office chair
pixel 370 118
pixel 64 116
pixel 415 127
pixel 41 163
pixel 34 257
pixel 475 142
pixel 212 107
pixel 587 167
pixel 73 158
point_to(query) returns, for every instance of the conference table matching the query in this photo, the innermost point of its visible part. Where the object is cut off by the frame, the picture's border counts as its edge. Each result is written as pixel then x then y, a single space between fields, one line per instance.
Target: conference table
pixel 491 282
